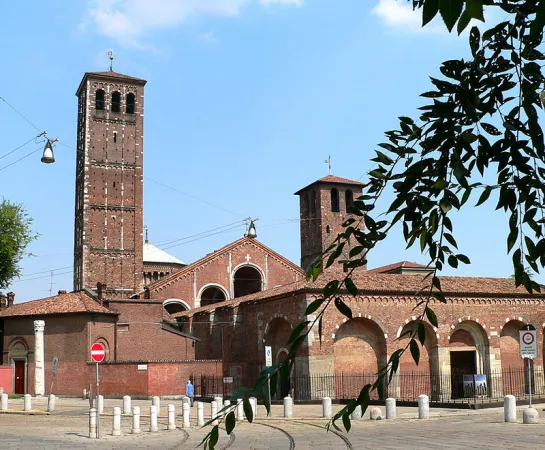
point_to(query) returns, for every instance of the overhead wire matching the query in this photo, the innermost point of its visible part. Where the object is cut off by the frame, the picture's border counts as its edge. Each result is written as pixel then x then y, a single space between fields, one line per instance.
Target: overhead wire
pixel 20 146
pixel 20 159
pixel 20 114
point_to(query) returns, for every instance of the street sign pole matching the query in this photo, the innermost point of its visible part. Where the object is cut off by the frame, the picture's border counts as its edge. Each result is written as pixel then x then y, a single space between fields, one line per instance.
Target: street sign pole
pixel 528 352
pixel 97 404
pixel 529 383
pixel 268 363
pixel 98 353
pixel 53 372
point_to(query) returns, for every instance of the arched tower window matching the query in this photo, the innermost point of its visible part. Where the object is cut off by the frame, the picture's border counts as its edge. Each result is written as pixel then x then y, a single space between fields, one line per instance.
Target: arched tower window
pixel 247 280
pixel 212 295
pixel 305 203
pixel 349 200
pixel 313 201
pixel 335 200
pixel 116 102
pixel 99 100
pixel 129 107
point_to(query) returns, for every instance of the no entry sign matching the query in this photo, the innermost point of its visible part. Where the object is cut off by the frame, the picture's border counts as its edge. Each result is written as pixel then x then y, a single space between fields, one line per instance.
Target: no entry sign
pixel 98 352
pixel 528 344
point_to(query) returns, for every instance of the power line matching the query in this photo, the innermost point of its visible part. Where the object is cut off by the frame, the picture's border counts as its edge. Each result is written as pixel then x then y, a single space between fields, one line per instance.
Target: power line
pixel 12 107
pixel 46 271
pixel 167 242
pixel 43 276
pixel 20 159
pixel 15 149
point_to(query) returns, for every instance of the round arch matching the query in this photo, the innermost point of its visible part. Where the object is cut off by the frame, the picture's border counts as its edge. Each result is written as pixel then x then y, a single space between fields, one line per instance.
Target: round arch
pixel 251 279
pixel 211 293
pixel 174 305
pixel 104 342
pixel 509 344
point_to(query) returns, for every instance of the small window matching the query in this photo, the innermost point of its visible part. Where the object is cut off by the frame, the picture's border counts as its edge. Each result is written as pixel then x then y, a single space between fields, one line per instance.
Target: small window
pixel 334 200
pixel 349 200
pixel 129 107
pixel 116 102
pixel 313 201
pixel 115 137
pixel 99 100
pixel 327 229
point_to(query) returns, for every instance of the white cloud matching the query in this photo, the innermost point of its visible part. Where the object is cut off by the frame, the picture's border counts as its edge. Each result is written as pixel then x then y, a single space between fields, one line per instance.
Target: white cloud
pixel 127 21
pixel 400 14
pixel 209 37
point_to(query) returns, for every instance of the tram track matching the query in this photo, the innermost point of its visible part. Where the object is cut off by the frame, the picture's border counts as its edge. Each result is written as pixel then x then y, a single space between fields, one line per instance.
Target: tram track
pixel 289 436
pixel 348 444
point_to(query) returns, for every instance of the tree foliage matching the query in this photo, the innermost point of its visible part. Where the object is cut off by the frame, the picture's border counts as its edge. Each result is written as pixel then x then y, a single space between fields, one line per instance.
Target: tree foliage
pixel 15 235
pixel 479 122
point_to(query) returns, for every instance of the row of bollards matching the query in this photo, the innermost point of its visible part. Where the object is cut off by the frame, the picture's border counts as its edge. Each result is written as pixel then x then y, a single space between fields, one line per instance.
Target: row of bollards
pixel 529 415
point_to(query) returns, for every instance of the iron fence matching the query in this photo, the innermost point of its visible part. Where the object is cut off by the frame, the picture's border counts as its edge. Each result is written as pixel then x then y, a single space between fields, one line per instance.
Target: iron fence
pixel 455 387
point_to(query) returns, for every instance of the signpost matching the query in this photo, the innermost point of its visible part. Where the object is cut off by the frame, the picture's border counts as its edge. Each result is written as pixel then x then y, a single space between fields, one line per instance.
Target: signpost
pixel 268 363
pixel 98 353
pixel 528 350
pixel 53 372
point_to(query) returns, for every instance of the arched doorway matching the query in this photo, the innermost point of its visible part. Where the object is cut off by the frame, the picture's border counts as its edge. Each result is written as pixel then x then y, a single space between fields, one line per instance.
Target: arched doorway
pixel 412 379
pixel 175 305
pixel 277 334
pixel 211 295
pixel 469 355
pixel 247 280
pixel 359 353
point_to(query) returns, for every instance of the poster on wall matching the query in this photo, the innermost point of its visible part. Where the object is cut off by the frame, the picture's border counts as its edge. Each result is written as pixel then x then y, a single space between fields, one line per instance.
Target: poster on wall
pixel 480 385
pixel 469 386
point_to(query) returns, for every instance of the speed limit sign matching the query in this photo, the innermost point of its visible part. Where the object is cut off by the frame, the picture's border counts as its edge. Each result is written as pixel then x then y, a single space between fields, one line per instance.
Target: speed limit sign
pixel 528 344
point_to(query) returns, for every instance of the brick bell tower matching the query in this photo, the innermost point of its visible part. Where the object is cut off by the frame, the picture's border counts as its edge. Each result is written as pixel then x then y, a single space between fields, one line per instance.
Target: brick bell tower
pixel 324 206
pixel 109 183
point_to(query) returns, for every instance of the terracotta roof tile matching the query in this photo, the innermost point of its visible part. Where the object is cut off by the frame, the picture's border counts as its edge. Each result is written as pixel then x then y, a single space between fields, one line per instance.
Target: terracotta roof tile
pixel 398 265
pixel 70 303
pixel 332 179
pixel 391 284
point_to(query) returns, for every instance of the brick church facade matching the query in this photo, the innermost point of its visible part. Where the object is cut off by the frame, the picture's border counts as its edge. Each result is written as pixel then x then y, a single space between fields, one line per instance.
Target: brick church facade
pixel 162 320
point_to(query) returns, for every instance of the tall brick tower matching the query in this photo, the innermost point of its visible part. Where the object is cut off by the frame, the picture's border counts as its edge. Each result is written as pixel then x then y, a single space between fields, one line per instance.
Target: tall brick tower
pixel 109 183
pixel 324 206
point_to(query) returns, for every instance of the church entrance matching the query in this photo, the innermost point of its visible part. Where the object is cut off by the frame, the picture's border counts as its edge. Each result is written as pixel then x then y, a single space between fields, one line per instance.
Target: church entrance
pixel 462 362
pixel 19 377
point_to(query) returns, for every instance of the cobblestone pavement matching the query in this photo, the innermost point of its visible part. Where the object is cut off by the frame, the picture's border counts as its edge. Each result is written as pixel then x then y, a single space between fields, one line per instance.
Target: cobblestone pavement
pixel 67 428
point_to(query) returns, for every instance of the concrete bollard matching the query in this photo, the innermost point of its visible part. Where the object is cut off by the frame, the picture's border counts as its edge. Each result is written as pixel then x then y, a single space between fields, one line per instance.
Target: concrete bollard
pixel 156 401
pixel 219 401
pixel 356 414
pixel 288 407
pixel 326 408
pixel 84 394
pixel 214 412
pixel 510 408
pixel 127 404
pixel 4 402
pixel 116 426
pixel 375 413
pixel 92 423
pixel 135 420
pixel 253 403
pixel 240 409
pixel 100 404
pixel 171 417
pixel 185 415
pixel 391 408
pixel 530 416
pixel 27 402
pixel 51 403
pixel 153 427
pixel 200 414
pixel 423 407
pixel 1 390
pixel 227 403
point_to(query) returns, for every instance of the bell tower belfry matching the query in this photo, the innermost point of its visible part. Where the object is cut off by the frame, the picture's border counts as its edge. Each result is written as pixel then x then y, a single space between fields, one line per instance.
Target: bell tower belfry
pixel 109 183
pixel 324 206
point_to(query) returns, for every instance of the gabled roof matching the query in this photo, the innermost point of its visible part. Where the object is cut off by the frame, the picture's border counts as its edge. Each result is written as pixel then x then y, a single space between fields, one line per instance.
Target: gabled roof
pixel 332 179
pixel 67 303
pixel 173 277
pixel 398 266
pixel 153 254
pixel 109 75
pixel 373 285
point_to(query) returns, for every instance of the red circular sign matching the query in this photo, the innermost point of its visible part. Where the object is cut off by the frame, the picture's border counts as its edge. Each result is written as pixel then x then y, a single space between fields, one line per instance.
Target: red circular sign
pixel 98 352
pixel 528 338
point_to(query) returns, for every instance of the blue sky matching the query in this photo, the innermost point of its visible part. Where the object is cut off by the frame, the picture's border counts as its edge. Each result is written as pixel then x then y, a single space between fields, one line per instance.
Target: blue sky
pixel 245 99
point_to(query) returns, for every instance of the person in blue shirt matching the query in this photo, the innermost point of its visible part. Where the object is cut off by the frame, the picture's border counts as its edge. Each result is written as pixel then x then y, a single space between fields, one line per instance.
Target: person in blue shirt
pixel 190 392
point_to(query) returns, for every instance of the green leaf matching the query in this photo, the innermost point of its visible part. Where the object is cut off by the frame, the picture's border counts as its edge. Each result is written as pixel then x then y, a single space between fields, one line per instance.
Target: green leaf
pixel 314 306
pixel 230 422
pixel 453 262
pixel 343 307
pixel 474 39
pixel 463 259
pixel 346 422
pixel 450 11
pixel 415 351
pixel 450 239
pixel 248 410
pixel 474 9
pixel 490 129
pixel 484 197
pixel 421 333
pixel 432 318
pixel 214 435
pixel 351 287
pixel 331 288
pixel 463 22
pixel 429 11
pixel 297 331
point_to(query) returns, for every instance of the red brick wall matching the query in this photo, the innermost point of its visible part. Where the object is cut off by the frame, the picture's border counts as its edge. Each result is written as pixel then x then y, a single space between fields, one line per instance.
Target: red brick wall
pixel 509 345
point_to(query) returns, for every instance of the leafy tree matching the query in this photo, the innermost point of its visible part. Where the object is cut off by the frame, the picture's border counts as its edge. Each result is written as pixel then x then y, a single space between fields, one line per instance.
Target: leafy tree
pixel 480 122
pixel 15 235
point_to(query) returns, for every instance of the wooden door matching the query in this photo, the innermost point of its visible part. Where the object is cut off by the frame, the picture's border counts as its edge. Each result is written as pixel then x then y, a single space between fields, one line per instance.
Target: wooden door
pixel 19 377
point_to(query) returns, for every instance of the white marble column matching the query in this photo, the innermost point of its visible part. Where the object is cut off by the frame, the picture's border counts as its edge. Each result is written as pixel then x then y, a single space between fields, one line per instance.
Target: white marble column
pixel 39 373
